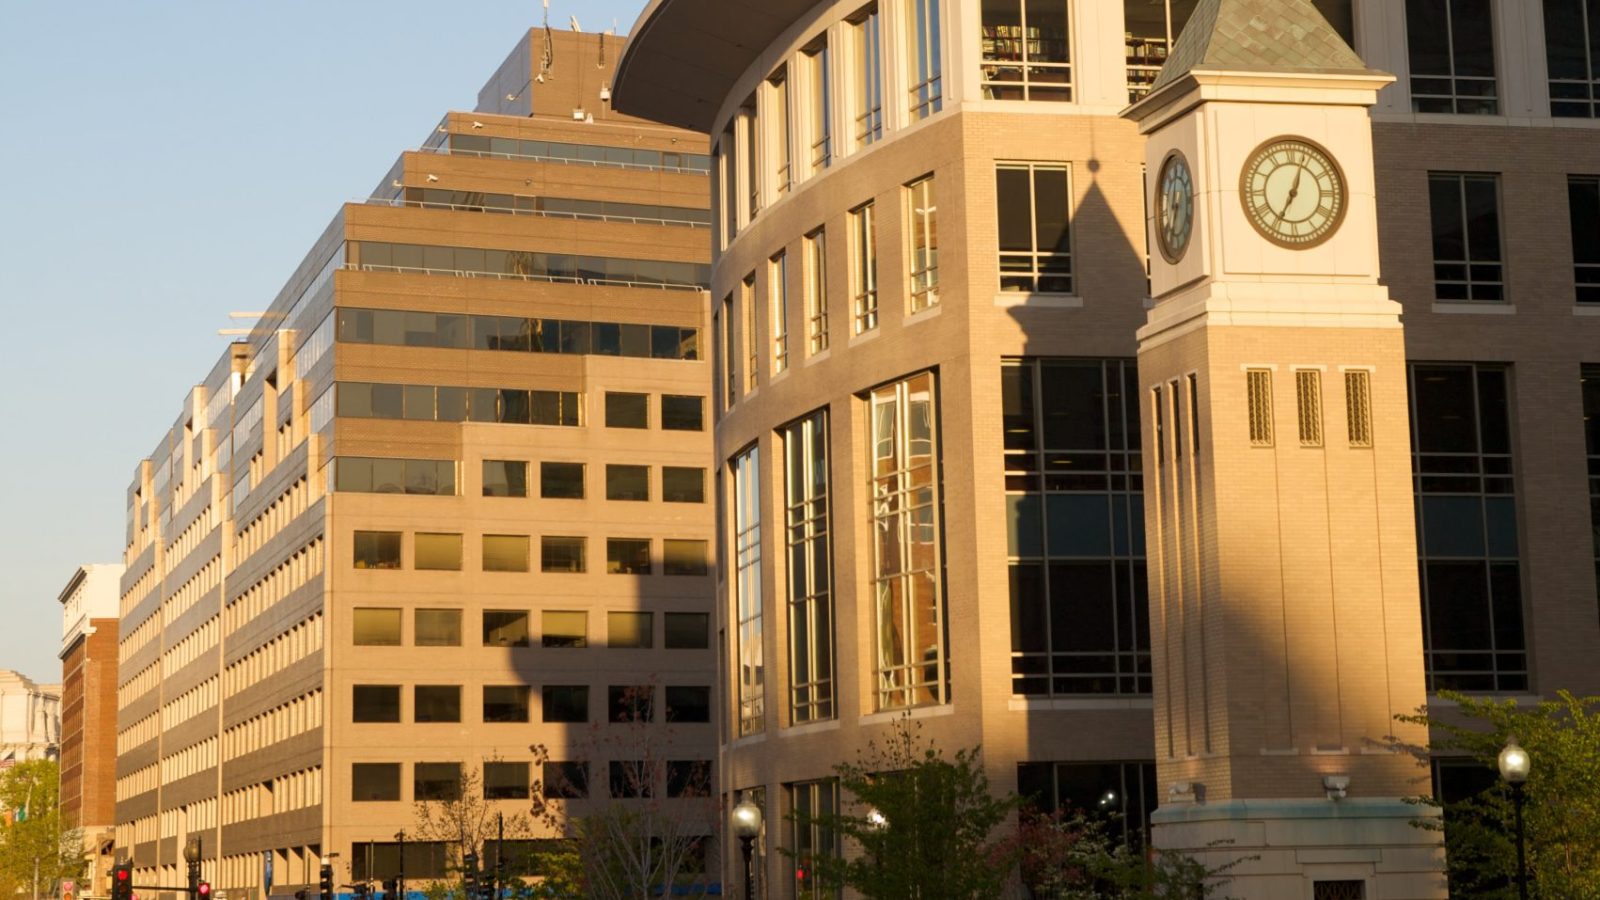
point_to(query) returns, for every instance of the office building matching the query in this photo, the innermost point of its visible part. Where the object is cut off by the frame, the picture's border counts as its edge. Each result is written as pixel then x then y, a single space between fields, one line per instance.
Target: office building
pixel 934 249
pixel 89 711
pixel 448 499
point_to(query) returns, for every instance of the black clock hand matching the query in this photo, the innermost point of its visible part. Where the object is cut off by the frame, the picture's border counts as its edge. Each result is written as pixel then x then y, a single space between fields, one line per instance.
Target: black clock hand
pixel 1294 191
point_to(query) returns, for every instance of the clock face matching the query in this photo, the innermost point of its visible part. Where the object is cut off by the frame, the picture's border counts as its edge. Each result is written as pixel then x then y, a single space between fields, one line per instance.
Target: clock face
pixel 1174 207
pixel 1293 192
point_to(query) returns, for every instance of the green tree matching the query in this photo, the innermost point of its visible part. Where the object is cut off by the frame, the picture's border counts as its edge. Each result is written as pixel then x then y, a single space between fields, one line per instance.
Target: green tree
pixel 1076 856
pixel 34 841
pixel 924 824
pixel 1562 795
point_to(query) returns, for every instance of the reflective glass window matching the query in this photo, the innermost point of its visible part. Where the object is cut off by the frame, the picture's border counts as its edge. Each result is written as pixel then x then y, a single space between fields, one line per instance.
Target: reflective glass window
pixel 505 703
pixel 683 484
pixel 376 626
pixel 561 554
pixel 561 480
pixel 630 630
pixel 436 703
pixel 436 551
pixel 505 553
pixel 375 703
pixel 628 556
pixel 374 782
pixel 437 628
pixel 564 628
pixel 505 628
pixel 377 549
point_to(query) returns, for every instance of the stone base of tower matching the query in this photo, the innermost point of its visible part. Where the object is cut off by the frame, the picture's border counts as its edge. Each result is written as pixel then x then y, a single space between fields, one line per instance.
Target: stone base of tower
pixel 1297 843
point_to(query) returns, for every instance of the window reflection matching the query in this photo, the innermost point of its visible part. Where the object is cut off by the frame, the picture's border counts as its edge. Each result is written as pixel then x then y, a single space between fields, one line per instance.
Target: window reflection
pixel 402 328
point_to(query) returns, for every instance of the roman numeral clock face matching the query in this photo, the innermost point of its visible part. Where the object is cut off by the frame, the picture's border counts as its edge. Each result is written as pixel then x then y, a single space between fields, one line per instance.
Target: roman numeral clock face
pixel 1293 192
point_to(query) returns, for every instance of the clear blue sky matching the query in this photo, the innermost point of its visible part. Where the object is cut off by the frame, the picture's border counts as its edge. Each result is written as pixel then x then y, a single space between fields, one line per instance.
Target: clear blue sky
pixel 166 162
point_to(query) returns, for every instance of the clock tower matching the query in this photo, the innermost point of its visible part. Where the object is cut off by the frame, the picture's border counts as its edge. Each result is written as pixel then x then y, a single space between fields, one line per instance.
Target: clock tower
pixel 1285 621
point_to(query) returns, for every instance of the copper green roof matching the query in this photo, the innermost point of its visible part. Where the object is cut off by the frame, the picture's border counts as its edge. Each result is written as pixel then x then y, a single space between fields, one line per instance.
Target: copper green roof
pixel 1256 36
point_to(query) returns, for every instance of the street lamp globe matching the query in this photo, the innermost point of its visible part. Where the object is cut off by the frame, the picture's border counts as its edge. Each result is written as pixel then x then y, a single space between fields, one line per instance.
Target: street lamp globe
pixel 191 850
pixel 876 820
pixel 1514 763
pixel 746 819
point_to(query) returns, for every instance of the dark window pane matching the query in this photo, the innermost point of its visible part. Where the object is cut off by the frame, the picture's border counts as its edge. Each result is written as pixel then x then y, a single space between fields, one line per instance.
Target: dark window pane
pixel 682 413
pixel 505 781
pixel 561 554
pixel 683 484
pixel 1013 195
pixel 566 703
pixel 1428 37
pixel 687 631
pixel 505 478
pixel 561 480
pixel 375 703
pixel 505 628
pixel 627 410
pixel 627 482
pixel 631 778
pixel 437 703
pixel 505 703
pixel 437 781
pixel 566 780
pixel 688 703
pixel 627 556
pixel 1444 203
pixel 634 703
pixel 375 781
pixel 377 549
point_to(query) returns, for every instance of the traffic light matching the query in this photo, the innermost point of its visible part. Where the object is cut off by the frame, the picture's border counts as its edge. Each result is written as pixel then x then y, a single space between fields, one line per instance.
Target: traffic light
pixel 469 874
pixel 122 881
pixel 326 876
pixel 202 890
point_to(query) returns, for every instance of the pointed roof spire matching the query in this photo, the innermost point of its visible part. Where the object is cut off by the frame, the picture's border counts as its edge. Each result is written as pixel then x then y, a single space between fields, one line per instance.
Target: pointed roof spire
pixel 1258 35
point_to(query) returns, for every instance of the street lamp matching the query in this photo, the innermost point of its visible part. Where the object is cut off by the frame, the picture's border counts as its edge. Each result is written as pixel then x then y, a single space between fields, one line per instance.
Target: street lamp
pixel 191 855
pixel 746 826
pixel 1514 766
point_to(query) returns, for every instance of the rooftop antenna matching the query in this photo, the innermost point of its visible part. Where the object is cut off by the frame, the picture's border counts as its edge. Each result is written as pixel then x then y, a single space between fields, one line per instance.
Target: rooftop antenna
pixel 547 52
pixel 573 22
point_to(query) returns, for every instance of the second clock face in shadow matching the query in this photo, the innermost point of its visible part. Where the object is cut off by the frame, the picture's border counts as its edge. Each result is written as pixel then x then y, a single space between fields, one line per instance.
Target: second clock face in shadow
pixel 1174 207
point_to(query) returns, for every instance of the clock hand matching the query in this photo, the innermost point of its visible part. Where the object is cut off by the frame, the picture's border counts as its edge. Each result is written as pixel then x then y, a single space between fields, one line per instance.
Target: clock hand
pixel 1294 191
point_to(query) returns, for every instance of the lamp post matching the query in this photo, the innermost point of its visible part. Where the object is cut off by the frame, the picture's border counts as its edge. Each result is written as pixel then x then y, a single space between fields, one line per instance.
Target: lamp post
pixel 746 826
pixel 1514 765
pixel 191 855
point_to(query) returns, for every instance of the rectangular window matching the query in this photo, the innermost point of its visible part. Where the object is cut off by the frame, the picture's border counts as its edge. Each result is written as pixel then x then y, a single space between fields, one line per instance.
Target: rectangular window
pixel 683 412
pixel 688 703
pixel 1343 889
pixel 627 556
pixel 627 410
pixel 564 628
pixel 1589 378
pixel 505 628
pixel 778 287
pixel 1572 54
pixel 1358 407
pixel 505 478
pixel 1035 240
pixel 811 804
pixel 922 212
pixel 687 631
pixel 375 703
pixel 1258 399
pixel 730 365
pixel 1026 51
pixel 374 782
pixel 1465 210
pixel 436 552
pixel 778 121
pixel 1451 48
pixel 437 628
pixel 688 778
pixel 505 703
pixel 816 278
pixel 377 549
pixel 864 267
pixel 630 630
pixel 926 60
pixel 627 482
pixel 631 779
pixel 552 408
pixel 728 184
pixel 561 480
pixel 566 780
pixel 436 781
pixel 507 780
pixel 1308 400
pixel 685 557
pixel 747 596
pixel 436 703
pixel 1151 29
pixel 1583 208
pixel 1075 527
pixel 1472 625
pixel 683 484
pixel 505 553
pixel 810 569
pixel 630 704
pixel 561 554
pixel 866 45
pixel 375 626
pixel 752 155
pixel 752 332
pixel 566 703
pixel 1123 793
pixel 386 475
pixel 819 122
pixel 910 667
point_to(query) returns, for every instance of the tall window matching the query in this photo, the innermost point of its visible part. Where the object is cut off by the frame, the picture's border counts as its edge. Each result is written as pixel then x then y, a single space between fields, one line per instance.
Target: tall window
pixel 1151 29
pixel 730 365
pixel 819 119
pixel 778 95
pixel 1466 236
pixel 1572 53
pixel 922 212
pixel 810 803
pixel 1472 629
pixel 924 66
pixel 1583 206
pixel 747 590
pixel 749 124
pixel 1026 53
pixel 752 332
pixel 1075 516
pixel 805 449
pixel 864 266
pixel 909 665
pixel 1451 48
pixel 778 286
pixel 867 58
pixel 816 276
pixel 1121 793
pixel 1032 200
pixel 1590 378
pixel 728 184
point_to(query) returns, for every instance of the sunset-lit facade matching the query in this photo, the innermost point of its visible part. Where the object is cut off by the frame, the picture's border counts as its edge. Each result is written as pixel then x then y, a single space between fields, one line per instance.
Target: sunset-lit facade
pixel 931 265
